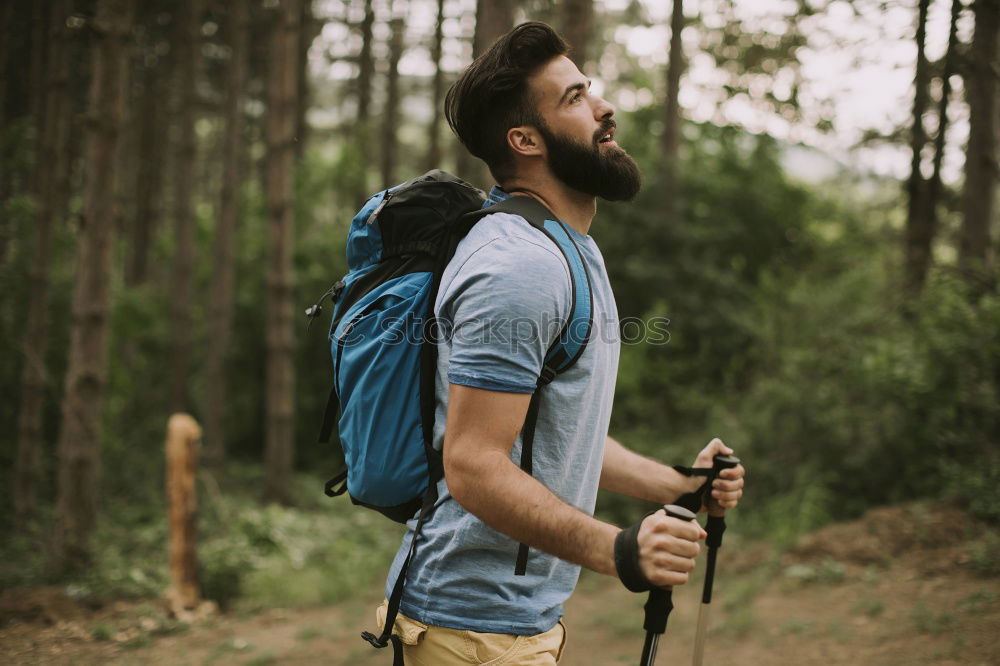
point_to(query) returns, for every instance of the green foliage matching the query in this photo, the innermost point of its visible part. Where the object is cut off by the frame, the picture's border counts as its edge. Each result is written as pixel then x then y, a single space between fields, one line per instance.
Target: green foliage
pixel 986 555
pixel 791 339
pixel 249 555
pixel 279 555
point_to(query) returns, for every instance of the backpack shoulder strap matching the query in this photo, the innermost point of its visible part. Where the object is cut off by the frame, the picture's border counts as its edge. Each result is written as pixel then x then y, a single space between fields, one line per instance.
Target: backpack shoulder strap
pixel 573 338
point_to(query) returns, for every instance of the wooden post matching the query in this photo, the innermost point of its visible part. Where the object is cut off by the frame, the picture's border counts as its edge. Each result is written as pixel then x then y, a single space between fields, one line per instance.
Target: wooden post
pixel 183 441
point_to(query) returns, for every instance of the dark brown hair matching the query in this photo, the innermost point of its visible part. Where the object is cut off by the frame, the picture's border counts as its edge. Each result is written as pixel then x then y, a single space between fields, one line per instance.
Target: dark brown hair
pixel 492 95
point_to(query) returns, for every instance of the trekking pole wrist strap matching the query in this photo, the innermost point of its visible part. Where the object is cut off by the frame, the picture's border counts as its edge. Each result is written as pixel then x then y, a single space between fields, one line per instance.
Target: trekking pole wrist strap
pixel 694 500
pixel 627 558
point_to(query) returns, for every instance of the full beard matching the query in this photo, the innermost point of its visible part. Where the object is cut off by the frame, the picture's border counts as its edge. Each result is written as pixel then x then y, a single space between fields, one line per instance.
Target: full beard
pixel 608 173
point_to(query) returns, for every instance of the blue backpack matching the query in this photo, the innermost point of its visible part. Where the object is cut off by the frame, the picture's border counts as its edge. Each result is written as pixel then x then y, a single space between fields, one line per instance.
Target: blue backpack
pixel 383 336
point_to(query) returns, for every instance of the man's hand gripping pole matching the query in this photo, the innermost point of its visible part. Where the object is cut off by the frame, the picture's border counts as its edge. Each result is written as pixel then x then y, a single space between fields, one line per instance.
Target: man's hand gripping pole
pixel 659 604
pixel 715 526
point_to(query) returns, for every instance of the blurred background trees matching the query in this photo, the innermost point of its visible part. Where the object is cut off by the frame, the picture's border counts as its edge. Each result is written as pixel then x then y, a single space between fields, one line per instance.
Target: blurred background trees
pixel 177 179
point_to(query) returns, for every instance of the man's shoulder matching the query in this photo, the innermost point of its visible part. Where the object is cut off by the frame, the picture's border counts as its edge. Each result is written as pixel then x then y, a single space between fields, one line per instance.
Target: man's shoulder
pixel 508 240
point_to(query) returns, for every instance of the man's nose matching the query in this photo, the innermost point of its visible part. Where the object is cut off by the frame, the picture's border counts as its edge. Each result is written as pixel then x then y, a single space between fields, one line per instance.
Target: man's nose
pixel 603 108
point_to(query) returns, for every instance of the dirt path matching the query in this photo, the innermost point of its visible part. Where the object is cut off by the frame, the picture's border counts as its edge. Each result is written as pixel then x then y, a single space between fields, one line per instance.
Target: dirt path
pixel 898 587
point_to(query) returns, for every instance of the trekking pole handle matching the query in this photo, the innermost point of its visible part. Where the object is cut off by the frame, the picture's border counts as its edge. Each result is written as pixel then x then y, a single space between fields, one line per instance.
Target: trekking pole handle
pixel 719 463
pixel 659 604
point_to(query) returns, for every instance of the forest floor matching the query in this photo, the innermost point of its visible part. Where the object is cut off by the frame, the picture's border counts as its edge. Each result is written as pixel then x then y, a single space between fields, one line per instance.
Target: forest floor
pixel 902 585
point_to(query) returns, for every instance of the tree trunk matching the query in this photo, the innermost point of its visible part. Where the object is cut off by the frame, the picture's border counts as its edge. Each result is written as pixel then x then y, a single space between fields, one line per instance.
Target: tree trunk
pixel 917 218
pixel 6 24
pixel 310 29
pixel 181 451
pixel 362 127
pixel 182 281
pixel 390 115
pixel 220 311
pixel 6 21
pixel 40 30
pixel 83 401
pixel 51 162
pixel 976 252
pixel 672 112
pixel 434 151
pixel 576 25
pixel 280 380
pixel 922 252
pixel 153 125
pixel 494 18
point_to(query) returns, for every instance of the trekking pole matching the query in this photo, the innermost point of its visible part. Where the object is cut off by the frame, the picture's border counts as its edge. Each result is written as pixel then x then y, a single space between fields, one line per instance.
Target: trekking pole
pixel 659 604
pixel 715 526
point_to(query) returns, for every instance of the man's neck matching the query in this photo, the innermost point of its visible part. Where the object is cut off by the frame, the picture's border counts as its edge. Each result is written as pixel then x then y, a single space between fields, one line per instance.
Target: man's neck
pixel 572 207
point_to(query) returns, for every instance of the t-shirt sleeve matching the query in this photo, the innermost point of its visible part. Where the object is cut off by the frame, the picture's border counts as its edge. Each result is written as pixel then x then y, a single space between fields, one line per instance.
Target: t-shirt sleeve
pixel 505 306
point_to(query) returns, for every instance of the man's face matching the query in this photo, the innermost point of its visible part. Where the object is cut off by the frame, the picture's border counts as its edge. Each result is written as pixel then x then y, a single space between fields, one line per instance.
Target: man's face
pixel 578 129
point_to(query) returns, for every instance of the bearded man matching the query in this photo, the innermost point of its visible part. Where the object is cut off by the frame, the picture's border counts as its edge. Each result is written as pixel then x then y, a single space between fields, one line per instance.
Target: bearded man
pixel 526 110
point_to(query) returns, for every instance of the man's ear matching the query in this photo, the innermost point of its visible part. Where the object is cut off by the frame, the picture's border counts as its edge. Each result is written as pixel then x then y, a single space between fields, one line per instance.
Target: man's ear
pixel 525 141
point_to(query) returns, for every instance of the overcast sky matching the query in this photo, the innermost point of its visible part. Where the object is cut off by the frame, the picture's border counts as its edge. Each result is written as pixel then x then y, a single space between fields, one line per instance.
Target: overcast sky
pixel 859 68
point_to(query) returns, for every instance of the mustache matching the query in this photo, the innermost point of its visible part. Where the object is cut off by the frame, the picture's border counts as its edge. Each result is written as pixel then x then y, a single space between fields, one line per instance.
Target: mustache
pixel 606 127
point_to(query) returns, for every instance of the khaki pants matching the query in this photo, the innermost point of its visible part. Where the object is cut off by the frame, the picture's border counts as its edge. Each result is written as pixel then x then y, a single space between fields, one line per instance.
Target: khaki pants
pixel 430 645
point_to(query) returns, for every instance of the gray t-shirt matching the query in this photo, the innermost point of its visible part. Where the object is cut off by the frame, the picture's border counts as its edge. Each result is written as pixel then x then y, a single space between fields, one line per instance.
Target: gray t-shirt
pixel 501 301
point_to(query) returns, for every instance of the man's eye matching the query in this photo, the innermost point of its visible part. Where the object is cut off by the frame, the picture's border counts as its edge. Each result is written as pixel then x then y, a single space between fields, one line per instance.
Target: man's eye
pixel 576 98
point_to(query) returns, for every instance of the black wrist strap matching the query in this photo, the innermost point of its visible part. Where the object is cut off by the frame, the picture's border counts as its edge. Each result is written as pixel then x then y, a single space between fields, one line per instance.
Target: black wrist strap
pixel 693 501
pixel 627 558
pixel 693 471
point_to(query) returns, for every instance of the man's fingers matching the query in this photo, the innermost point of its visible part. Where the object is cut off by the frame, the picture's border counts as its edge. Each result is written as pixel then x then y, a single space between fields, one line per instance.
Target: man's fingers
pixel 728 500
pixel 727 485
pixel 733 473
pixel 727 489
pixel 669 571
pixel 661 523
pixel 718 446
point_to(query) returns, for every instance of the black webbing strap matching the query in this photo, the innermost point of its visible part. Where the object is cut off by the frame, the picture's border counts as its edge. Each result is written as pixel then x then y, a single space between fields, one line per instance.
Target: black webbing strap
pixel 330 487
pixel 695 500
pixel 527 443
pixel 396 596
pixel 329 416
pixel 557 359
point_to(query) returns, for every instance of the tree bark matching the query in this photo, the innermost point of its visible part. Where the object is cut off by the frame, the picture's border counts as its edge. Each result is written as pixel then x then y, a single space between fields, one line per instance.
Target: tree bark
pixel 310 29
pixel 362 126
pixel 6 24
pixel 181 449
pixel 390 115
pixel 150 171
pixel 437 49
pixel 83 402
pixel 494 18
pixel 220 311
pixel 917 218
pixel 6 21
pixel 51 162
pixel 182 285
pixel 672 111
pixel 576 25
pixel 976 251
pixel 40 30
pixel 922 253
pixel 280 381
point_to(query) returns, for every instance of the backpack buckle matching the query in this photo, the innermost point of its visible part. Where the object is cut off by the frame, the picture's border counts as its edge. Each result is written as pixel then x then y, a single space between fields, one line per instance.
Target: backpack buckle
pixel 330 487
pixel 546 376
pixel 373 639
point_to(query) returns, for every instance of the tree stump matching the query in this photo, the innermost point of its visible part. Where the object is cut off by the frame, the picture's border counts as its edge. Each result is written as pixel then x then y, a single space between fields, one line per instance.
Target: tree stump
pixel 183 441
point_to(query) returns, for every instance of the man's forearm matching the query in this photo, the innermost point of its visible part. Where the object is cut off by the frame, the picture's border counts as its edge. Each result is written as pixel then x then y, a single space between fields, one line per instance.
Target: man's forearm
pixel 499 493
pixel 628 473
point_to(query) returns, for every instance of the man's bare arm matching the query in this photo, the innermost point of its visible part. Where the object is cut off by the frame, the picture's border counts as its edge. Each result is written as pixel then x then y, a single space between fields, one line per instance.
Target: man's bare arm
pixel 628 473
pixel 480 431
